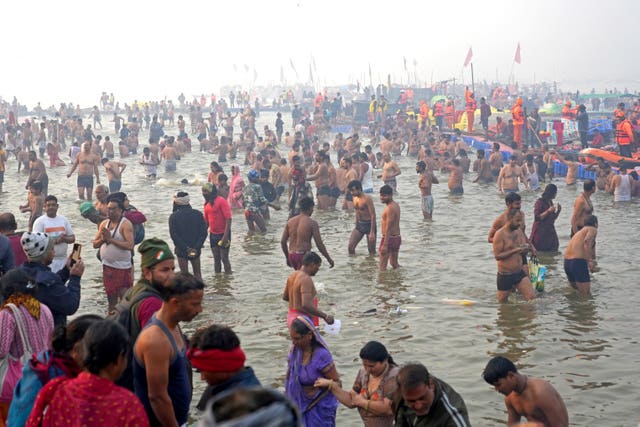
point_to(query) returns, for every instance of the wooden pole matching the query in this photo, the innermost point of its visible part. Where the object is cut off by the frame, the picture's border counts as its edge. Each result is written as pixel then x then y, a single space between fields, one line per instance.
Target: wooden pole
pixel 473 84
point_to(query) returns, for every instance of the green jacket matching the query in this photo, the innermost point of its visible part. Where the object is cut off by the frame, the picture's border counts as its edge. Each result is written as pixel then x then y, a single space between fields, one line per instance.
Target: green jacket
pixel 447 410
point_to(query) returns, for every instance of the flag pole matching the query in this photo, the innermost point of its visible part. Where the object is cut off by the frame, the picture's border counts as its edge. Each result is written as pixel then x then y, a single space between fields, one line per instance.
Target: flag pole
pixel 473 84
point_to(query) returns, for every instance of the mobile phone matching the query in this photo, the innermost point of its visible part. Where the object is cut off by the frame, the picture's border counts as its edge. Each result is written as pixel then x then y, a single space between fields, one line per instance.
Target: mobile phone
pixel 75 254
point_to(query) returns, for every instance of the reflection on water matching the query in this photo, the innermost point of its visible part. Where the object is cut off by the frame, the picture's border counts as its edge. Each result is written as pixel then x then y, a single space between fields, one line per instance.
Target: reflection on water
pixel 587 347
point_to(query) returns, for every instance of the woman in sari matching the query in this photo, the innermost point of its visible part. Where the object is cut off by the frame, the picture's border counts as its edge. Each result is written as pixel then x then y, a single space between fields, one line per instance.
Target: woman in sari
pixel 373 389
pixel 543 232
pixel 92 398
pixel 26 327
pixel 61 359
pixel 309 360
pixel 235 188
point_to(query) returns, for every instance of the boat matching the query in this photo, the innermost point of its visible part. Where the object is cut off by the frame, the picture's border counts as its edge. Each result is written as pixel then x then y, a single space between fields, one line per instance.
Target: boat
pixel 592 155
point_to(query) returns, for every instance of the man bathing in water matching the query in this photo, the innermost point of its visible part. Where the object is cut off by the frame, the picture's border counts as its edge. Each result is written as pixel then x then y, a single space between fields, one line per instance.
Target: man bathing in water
pixel 87 164
pixel 495 160
pixel 582 207
pixel 427 178
pixel 455 177
pixel 300 292
pixel 509 249
pixel 390 170
pixel 533 398
pixel 390 227
pixel 483 168
pixel 509 176
pixel 365 218
pixel 580 256
pixel 298 233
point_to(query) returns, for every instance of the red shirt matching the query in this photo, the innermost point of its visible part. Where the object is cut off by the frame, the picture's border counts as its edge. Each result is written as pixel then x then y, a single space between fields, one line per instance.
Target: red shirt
pixel 217 215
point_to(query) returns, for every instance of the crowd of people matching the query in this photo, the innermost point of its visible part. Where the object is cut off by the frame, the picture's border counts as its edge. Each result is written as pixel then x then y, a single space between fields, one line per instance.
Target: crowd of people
pixel 150 383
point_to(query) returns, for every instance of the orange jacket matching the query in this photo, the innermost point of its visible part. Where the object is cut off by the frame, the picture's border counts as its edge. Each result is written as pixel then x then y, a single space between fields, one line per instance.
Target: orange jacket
pixel 471 103
pixel 624 133
pixel 449 111
pixel 517 114
pixel 568 113
pixel 424 111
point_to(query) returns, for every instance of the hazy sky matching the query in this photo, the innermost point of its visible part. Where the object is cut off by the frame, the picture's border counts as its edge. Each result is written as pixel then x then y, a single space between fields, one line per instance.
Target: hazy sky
pixel 71 50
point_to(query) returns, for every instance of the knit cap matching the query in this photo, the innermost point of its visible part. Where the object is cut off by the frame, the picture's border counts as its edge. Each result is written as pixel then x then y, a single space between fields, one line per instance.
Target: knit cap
pixel 153 251
pixel 36 245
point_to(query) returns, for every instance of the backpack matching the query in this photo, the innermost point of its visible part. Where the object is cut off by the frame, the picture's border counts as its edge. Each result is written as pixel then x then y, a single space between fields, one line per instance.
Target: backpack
pixel 138 233
pixel 122 314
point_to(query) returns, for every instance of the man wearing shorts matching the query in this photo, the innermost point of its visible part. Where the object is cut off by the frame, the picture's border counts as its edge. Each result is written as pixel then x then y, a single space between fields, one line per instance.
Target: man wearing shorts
pixel 87 164
pixel 509 248
pixel 579 258
pixel 365 218
pixel 298 234
pixel 390 227
pixel 427 178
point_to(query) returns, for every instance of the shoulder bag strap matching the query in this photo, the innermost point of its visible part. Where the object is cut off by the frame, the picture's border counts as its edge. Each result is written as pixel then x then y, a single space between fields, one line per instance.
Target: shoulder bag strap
pixel 24 336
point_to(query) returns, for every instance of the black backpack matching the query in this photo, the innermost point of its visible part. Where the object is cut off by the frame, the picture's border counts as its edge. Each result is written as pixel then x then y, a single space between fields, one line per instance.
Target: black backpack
pixel 122 315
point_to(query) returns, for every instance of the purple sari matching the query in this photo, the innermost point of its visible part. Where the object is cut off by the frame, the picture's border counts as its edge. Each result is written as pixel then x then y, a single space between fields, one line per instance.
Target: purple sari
pixel 325 404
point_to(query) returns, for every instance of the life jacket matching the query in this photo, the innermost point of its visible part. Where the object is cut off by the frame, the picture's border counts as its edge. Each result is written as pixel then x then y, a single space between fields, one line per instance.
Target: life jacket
pixel 449 110
pixel 624 133
pixel 568 113
pixel 471 103
pixel 437 110
pixel 373 106
pixel 516 113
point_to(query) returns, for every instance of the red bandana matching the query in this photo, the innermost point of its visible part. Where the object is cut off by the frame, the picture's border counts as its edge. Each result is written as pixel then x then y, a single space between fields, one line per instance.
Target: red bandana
pixel 215 360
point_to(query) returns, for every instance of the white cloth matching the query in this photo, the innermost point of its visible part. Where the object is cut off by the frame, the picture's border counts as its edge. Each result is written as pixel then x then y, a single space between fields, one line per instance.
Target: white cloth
pixel 622 193
pixel 114 257
pixel 532 177
pixel 55 227
pixel 367 179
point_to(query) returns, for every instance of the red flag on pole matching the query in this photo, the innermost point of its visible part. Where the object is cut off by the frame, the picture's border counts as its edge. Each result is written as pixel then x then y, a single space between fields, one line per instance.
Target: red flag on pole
pixel 468 59
pixel 517 57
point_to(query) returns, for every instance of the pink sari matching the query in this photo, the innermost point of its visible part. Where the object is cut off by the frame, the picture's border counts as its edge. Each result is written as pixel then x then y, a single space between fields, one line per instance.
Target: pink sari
pixel 235 188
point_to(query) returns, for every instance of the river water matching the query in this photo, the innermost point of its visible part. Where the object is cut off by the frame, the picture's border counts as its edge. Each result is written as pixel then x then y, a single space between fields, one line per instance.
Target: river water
pixel 586 346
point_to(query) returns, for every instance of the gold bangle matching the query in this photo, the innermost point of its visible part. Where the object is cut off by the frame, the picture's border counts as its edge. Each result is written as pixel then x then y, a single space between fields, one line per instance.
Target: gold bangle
pixel 366 407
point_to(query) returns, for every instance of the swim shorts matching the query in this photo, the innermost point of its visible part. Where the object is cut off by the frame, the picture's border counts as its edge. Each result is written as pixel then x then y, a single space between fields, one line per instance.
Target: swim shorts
pixel 348 196
pixel 170 165
pixel 85 181
pixel 508 281
pixel 427 204
pixel 394 243
pixel 391 183
pixel 577 270
pixel 363 227
pixel 335 192
pixel 114 186
pixel 295 259
pixel 457 190
pixel 215 238
pixel 325 190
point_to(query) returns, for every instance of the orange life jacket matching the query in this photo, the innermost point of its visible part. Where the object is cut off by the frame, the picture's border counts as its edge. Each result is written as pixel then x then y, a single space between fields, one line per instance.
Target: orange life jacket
pixel 624 133
pixel 516 113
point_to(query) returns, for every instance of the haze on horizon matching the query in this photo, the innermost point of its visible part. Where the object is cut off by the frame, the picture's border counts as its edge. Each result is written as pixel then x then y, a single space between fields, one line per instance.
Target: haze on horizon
pixel 66 51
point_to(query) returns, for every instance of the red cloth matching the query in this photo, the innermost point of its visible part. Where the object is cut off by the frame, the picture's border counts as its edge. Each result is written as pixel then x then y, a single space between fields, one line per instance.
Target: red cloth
pixel 147 308
pixel 116 278
pixel 216 215
pixel 216 360
pixel 86 400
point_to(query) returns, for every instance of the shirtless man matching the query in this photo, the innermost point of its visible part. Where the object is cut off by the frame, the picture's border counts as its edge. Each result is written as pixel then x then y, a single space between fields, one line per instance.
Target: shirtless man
pixel 385 144
pixel 102 194
pixel 321 177
pixel 483 167
pixel 533 398
pixel 582 207
pixel 298 233
pixel 390 228
pixel 455 177
pixel 427 178
pixel 300 291
pixel 114 173
pixel 170 155
pixel 496 160
pixel 345 175
pixel 510 175
pixel 87 164
pixel 509 247
pixel 37 173
pixel 580 256
pixel 572 168
pixel 365 218
pixel 390 170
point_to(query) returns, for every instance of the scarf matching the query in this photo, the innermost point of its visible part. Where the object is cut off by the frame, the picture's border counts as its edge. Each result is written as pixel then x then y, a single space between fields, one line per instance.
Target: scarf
pixel 27 301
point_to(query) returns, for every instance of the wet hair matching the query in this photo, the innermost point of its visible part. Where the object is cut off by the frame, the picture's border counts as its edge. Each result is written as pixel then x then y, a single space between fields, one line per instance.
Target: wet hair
pixel 311 258
pixel 300 327
pixel 65 337
pixel 17 281
pixel 117 200
pixel 103 343
pixel 222 177
pixel 306 203
pixel 497 368
pixel 481 153
pixel 589 185
pixel 51 197
pixel 375 351
pixel 364 156
pixel 347 160
pixel 549 192
pixel 181 284
pixel 511 198
pixel 215 337
pixel 412 375
pixel 386 190
pixel 354 185
pixel 421 165
pixel 252 406
pixel 210 197
pixel 591 221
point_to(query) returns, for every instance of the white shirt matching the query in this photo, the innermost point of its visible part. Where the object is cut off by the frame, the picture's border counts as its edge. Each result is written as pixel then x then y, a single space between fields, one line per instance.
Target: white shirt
pixel 55 227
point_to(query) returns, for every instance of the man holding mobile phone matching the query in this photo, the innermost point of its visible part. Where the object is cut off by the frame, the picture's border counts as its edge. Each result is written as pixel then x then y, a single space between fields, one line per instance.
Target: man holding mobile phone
pixel 57 228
